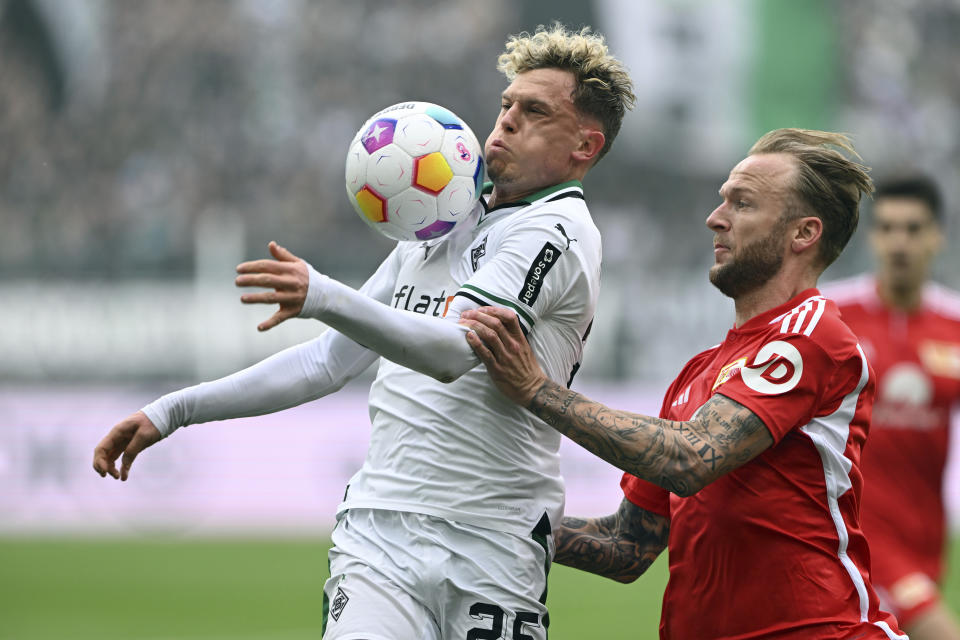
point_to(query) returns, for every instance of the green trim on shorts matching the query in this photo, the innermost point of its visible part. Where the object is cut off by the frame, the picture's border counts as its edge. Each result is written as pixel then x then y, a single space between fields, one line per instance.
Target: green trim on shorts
pixel 539 535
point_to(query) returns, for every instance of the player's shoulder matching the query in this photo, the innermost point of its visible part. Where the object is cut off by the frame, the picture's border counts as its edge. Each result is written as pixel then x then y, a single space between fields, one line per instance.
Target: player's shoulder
pixel 816 319
pixel 566 221
pixel 697 363
pixel 942 300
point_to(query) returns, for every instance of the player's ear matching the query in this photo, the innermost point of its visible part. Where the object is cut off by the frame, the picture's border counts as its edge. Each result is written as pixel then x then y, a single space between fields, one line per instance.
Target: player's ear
pixel 591 142
pixel 807 232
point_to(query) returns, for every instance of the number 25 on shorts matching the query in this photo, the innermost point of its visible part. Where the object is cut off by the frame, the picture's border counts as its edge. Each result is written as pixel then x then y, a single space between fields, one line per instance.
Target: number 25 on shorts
pixel 496 615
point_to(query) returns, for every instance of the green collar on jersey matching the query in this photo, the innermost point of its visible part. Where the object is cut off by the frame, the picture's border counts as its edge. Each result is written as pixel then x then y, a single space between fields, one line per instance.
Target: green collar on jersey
pixel 533 197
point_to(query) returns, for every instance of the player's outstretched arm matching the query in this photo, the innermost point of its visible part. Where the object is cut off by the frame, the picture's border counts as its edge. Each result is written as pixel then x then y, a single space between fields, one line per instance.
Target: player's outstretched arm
pixel 682 457
pixel 127 438
pixel 293 376
pixel 621 546
pixel 429 345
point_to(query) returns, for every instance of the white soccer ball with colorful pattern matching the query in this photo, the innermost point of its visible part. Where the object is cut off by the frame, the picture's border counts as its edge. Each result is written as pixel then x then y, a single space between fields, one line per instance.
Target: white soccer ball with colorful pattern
pixel 413 171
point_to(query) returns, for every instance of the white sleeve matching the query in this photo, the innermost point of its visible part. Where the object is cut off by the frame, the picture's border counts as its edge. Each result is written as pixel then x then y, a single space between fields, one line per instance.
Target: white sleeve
pixel 526 267
pixel 436 347
pixel 295 375
pixel 286 379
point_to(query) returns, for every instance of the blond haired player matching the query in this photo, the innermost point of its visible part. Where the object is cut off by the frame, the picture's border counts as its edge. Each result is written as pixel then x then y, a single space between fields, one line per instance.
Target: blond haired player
pixel 445 532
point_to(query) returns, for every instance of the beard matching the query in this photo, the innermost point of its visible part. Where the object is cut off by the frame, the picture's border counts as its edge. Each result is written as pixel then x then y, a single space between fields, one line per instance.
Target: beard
pixel 753 267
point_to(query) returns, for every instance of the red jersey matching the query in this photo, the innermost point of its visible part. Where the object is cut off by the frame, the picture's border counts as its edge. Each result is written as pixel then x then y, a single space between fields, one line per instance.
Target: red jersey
pixel 774 548
pixel 916 357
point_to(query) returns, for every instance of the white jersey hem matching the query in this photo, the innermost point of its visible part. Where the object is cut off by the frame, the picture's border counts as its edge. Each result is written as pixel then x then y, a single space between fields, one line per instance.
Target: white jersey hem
pixel 504 525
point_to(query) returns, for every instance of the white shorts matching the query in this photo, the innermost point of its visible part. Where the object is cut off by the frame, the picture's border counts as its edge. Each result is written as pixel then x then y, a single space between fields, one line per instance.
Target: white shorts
pixel 396 575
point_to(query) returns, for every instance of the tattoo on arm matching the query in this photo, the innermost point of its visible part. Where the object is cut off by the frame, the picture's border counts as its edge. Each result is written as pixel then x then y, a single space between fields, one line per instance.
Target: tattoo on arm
pixel 681 457
pixel 620 546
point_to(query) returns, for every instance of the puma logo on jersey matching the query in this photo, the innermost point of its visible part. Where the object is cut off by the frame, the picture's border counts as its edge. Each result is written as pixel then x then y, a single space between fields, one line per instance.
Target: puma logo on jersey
pixel 478 252
pixel 776 368
pixel 426 246
pixel 406 296
pixel 563 232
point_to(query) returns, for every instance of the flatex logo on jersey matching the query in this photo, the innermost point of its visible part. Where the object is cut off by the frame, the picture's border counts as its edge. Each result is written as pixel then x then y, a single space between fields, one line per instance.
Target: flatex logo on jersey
pixel 409 298
pixel 538 271
pixel 776 368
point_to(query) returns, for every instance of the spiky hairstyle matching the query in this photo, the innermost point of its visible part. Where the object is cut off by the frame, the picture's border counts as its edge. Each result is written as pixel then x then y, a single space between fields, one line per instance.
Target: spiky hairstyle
pixel 603 90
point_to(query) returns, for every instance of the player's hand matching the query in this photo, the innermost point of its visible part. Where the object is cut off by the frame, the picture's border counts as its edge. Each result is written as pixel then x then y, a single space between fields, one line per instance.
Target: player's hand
pixel 129 437
pixel 499 342
pixel 286 274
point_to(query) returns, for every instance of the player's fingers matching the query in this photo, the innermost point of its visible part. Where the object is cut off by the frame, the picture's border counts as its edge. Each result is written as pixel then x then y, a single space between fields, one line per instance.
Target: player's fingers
pixel 271 297
pixel 282 253
pixel 489 337
pixel 103 461
pixel 143 438
pixel 480 316
pixel 511 321
pixel 494 333
pixel 108 449
pixel 274 320
pixel 264 265
pixel 507 317
pixel 266 280
pixel 126 460
pixel 479 348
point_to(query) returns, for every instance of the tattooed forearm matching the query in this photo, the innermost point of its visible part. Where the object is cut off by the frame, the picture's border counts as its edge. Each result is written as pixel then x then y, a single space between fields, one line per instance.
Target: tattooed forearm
pixel 682 457
pixel 620 546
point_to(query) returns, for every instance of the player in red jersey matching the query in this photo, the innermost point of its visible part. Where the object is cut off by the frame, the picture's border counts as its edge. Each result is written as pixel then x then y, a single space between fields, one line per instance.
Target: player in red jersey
pixel 753 468
pixel 910 330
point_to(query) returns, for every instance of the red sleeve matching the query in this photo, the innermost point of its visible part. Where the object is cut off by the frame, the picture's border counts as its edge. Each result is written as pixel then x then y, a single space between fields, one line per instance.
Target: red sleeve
pixel 646 495
pixel 783 382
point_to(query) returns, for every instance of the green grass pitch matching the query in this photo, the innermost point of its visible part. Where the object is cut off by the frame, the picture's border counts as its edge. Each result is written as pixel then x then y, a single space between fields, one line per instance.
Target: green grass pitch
pixel 249 589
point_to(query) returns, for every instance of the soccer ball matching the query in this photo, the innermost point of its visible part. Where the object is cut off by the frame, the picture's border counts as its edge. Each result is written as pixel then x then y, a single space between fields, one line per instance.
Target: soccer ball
pixel 413 171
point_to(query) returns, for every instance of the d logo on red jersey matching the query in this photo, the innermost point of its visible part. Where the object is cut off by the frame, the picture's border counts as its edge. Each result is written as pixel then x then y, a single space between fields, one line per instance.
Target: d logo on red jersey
pixel 776 368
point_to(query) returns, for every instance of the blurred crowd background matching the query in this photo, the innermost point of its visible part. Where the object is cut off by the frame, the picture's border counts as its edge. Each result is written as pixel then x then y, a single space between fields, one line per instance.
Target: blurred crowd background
pixel 149 146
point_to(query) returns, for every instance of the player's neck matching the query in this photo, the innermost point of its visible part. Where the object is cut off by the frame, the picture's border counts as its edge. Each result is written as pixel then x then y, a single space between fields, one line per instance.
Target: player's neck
pixel 774 293
pixel 507 192
pixel 504 195
pixel 900 296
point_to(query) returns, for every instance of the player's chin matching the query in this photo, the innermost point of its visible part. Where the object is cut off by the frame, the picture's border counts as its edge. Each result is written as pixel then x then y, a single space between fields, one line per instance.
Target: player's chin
pixel 496 169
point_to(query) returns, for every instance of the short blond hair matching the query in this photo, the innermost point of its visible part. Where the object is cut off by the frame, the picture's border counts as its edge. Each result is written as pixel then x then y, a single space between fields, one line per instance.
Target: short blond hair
pixel 603 90
pixel 829 185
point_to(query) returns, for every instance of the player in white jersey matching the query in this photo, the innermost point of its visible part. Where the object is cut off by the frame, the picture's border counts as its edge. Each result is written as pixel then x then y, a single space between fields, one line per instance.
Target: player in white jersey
pixel 445 530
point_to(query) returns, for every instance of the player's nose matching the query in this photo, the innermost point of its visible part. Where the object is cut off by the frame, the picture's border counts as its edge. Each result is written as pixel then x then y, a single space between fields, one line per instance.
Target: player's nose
pixel 717 221
pixel 508 119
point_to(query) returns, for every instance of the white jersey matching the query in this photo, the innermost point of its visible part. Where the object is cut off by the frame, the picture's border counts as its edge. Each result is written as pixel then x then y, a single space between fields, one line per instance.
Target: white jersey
pixel 457 450
pixel 462 450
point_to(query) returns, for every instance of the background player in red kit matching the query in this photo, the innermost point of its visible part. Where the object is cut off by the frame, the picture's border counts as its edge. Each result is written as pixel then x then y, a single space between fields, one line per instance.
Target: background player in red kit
pixel 910 330
pixel 753 469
